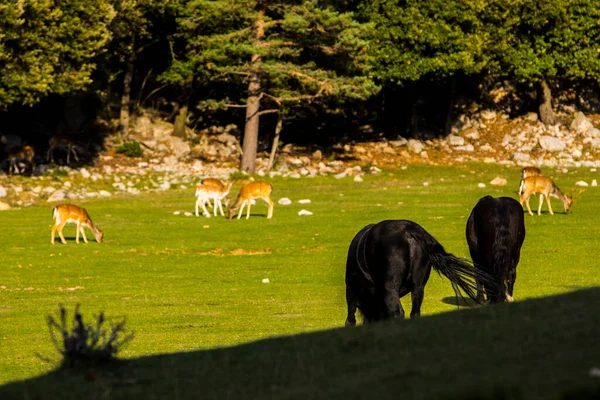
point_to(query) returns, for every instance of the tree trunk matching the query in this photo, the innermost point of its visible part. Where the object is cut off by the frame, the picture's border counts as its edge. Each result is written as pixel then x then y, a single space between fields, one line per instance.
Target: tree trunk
pixel 180 120
pixel 545 98
pixel 275 145
pixel 126 97
pixel 248 162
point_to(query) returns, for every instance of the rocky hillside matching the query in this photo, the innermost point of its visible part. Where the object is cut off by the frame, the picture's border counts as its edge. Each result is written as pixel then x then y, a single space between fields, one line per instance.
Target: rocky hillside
pixel 171 162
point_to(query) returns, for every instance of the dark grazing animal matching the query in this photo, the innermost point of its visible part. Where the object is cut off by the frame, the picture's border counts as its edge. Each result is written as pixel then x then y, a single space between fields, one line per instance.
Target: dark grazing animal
pixel 495 234
pixel 390 259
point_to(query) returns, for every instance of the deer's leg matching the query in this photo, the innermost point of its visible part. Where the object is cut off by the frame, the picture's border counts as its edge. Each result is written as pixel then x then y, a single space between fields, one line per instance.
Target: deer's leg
pixel 77 232
pixel 83 234
pixel 540 204
pixel 221 208
pixel 197 205
pixel 270 204
pixel 60 233
pixel 528 206
pixel 248 209
pixel 68 156
pixel 53 233
pixel 549 206
pixel 241 209
pixel 204 210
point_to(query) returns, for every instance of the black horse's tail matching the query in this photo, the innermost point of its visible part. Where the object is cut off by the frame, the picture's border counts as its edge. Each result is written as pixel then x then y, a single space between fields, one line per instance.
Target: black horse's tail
pixel 501 252
pixel 459 271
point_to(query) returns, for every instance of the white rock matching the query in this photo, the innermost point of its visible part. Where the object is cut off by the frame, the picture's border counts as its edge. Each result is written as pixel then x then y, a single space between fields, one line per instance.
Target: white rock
pixel 85 173
pixel 425 184
pixel 550 143
pixel 2 192
pixel 581 183
pixel 284 201
pixel 188 214
pixel 304 201
pixel 498 181
pixel 4 206
pixel 415 146
pixel 57 196
pixel 176 212
pixel 266 280
pixel 455 140
pixel 49 190
pixel 340 175
pixel 481 185
pixel 358 178
pixel 594 183
pixel 304 212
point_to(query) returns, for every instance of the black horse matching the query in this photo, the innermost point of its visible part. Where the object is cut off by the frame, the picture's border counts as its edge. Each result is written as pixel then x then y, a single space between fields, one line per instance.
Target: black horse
pixel 390 259
pixel 495 234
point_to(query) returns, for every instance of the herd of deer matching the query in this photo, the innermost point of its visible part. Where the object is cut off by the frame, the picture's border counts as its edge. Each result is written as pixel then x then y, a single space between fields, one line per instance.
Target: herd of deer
pixel 210 189
pixel 20 157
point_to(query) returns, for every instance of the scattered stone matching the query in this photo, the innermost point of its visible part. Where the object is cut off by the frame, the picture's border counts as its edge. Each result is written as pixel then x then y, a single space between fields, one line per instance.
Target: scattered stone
pixel 317 155
pixel 176 212
pixel 498 181
pixel 266 280
pixel 85 173
pixel 57 196
pixel 415 146
pixel 2 192
pixel 594 183
pixel 4 206
pixel 551 144
pixel 188 214
pixel 340 175
pixel 454 140
pixel 284 201
pixel 481 185
pixel 304 201
pixel 358 178
pixel 304 212
pixel 581 183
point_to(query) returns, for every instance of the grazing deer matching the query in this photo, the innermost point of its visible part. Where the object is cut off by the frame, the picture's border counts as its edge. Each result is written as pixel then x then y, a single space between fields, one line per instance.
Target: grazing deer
pixel 249 192
pixel 526 172
pixel 546 187
pixel 61 141
pixel 212 182
pixel 18 154
pixel 215 192
pixel 69 213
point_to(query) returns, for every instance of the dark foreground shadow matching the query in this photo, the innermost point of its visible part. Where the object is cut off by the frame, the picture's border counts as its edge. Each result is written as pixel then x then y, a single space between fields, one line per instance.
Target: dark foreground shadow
pixel 460 301
pixel 504 351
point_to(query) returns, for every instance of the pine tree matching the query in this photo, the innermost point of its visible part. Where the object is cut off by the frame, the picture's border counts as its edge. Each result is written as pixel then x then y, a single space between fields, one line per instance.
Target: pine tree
pixel 275 53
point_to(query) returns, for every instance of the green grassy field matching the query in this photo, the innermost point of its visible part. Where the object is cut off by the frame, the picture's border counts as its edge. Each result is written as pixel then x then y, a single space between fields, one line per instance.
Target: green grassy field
pixel 186 287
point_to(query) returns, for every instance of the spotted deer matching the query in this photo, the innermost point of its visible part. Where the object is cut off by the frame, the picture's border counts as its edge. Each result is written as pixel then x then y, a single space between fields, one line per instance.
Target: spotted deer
pixel 546 187
pixel 17 155
pixel 69 213
pixel 249 192
pixel 61 141
pixel 210 190
pixel 526 172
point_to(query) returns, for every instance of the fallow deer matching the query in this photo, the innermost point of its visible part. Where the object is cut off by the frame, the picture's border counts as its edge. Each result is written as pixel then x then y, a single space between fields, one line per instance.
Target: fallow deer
pixel 546 187
pixel 526 172
pixel 249 192
pixel 215 192
pixel 61 141
pixel 212 182
pixel 17 155
pixel 69 213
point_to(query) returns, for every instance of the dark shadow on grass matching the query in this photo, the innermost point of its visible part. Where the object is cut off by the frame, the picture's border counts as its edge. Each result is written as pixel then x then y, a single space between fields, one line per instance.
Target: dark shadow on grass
pixel 458 301
pixel 466 354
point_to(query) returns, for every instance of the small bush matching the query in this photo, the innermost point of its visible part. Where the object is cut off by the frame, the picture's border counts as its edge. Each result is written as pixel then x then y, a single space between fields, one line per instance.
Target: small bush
pixel 130 149
pixel 87 343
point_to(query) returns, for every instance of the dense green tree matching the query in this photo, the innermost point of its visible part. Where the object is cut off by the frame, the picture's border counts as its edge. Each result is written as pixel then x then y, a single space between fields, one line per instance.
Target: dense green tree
pixel 49 46
pixel 276 53
pixel 534 41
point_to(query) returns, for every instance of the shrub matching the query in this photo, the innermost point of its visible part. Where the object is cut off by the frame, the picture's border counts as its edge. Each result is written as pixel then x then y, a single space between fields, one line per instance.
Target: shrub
pixel 87 343
pixel 130 149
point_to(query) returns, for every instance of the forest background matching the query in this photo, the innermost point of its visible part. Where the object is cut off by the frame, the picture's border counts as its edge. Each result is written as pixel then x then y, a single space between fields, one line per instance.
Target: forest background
pixel 314 71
